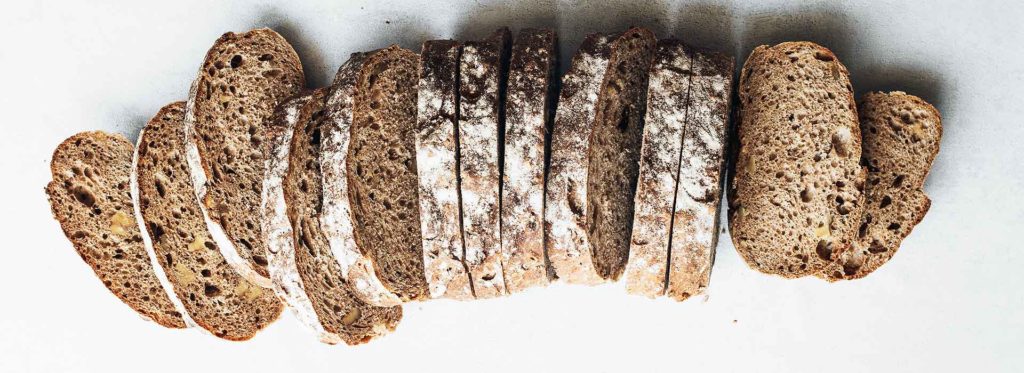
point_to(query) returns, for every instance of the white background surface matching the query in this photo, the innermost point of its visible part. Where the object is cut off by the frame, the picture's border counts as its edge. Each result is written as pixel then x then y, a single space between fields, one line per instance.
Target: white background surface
pixel 950 300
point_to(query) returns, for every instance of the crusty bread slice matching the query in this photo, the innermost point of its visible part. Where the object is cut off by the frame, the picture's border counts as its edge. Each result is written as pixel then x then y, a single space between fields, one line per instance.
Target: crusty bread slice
pixel 215 296
pixel 613 154
pixel 338 307
pixel 528 114
pixel 483 69
pixel 901 139
pixel 382 172
pixel 566 243
pixel 795 194
pixel 436 162
pixel 89 197
pixel 699 192
pixel 241 81
pixel 667 102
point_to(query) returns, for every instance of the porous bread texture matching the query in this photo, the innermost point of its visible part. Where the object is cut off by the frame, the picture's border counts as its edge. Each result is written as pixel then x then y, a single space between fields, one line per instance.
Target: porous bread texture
pixel 566 243
pixel 901 139
pixel 382 171
pixel 334 300
pixel 667 102
pixel 699 192
pixel 274 209
pixel 614 152
pixel 483 69
pixel 795 195
pixel 216 297
pixel 90 199
pixel 241 81
pixel 436 164
pixel 529 110
pixel 336 217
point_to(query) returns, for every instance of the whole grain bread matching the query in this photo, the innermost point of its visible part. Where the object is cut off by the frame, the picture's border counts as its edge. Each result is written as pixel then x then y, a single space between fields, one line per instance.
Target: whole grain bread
pixel 216 297
pixel 382 171
pixel 901 139
pixel 241 81
pixel 529 111
pixel 566 243
pixel 483 69
pixel 437 166
pixel 337 305
pixel 795 193
pixel 90 199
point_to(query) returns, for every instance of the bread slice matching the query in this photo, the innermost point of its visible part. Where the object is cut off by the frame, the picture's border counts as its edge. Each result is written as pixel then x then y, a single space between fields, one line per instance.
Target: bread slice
pixel 436 162
pixel 483 69
pixel 566 243
pixel 613 154
pixel 667 102
pixel 699 192
pixel 242 79
pixel 901 139
pixel 528 114
pixel 381 167
pixel 795 195
pixel 215 295
pixel 338 307
pixel 89 198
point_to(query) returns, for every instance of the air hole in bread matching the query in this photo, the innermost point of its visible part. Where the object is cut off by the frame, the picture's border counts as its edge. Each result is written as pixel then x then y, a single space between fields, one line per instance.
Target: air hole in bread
pixel 83 195
pixel 266 57
pixel 824 250
pixel 893 226
pixel 886 201
pixel 876 247
pixel 236 61
pixel 898 182
pixel 211 290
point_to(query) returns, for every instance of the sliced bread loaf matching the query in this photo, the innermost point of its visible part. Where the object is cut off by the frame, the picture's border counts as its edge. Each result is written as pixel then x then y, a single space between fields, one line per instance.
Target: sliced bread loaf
pixel 436 163
pixel 215 295
pixel 667 103
pixel 381 169
pixel 613 154
pixel 483 68
pixel 528 115
pixel 338 307
pixel 795 193
pixel 901 139
pixel 699 193
pixel 242 79
pixel 566 243
pixel 90 199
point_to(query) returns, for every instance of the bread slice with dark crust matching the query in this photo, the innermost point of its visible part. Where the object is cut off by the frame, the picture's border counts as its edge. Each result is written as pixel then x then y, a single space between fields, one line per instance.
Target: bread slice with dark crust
pixel 529 110
pixel 483 69
pixel 437 155
pixel 216 297
pixel 614 152
pixel 339 309
pixel 90 199
pixel 901 139
pixel 795 194
pixel 242 79
pixel 382 172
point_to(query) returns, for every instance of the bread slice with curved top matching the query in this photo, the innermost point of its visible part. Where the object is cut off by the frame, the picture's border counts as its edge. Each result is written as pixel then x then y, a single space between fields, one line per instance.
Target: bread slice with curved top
pixel 241 81
pixel 89 197
pixel 901 139
pixel 795 193
pixel 216 297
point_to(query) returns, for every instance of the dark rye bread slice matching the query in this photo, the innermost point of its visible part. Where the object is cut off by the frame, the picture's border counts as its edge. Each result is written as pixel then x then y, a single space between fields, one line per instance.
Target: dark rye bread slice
pixel 216 297
pixel 483 69
pixel 565 200
pixel 90 199
pixel 699 192
pixel 529 111
pixel 337 306
pixel 614 150
pixel 382 171
pixel 795 194
pixel 901 139
pixel 242 79
pixel 667 103
pixel 436 162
